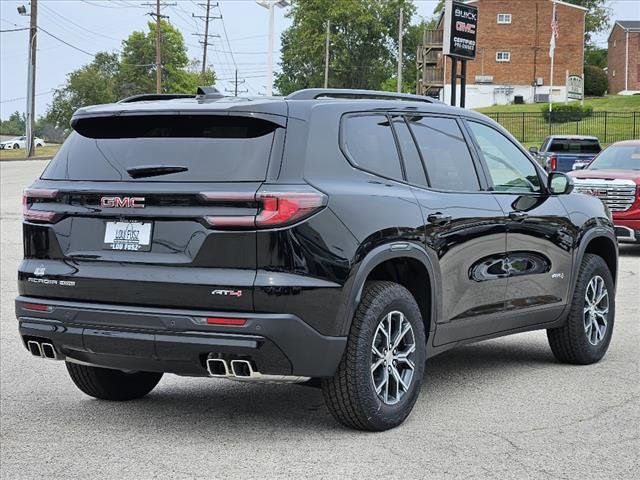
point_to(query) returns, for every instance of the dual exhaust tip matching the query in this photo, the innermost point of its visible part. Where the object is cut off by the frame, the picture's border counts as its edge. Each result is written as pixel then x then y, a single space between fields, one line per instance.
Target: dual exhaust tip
pixel 243 370
pixel 218 367
pixel 42 350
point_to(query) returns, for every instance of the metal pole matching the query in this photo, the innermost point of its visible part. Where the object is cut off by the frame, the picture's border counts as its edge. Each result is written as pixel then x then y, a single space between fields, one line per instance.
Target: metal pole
pixel 463 82
pixel 158 52
pixel 326 55
pixel 235 93
pixel 206 40
pixel 400 20
pixel 553 18
pixel 270 53
pixel 31 79
pixel 454 76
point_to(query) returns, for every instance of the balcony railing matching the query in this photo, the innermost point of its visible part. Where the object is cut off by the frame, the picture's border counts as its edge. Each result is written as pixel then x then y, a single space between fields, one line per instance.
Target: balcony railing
pixel 433 76
pixel 432 38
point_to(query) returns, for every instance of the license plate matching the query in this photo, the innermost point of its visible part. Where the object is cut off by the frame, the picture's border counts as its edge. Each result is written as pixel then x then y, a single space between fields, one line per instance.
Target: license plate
pixel 129 236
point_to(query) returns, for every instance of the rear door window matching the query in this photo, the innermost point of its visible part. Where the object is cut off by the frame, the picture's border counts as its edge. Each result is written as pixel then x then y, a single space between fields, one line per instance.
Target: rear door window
pixel 445 153
pixel 180 148
pixel 369 143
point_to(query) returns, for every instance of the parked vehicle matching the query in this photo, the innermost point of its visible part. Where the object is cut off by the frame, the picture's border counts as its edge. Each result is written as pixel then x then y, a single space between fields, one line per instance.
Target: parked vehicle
pixel 337 237
pixel 20 142
pixel 559 153
pixel 614 177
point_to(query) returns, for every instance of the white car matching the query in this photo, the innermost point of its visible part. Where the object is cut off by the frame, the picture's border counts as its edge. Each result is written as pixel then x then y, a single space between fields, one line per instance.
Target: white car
pixel 20 142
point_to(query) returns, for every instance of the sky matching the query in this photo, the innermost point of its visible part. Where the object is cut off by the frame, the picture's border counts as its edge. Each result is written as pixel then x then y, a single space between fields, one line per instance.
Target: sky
pixel 89 26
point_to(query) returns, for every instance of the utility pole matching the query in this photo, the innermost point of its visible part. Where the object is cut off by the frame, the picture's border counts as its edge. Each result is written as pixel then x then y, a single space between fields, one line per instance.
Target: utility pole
pixel 236 83
pixel 326 55
pixel 158 16
pixel 205 43
pixel 400 50
pixel 31 79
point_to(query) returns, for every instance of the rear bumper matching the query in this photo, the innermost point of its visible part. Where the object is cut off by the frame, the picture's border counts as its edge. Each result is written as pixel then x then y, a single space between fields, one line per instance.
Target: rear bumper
pixel 175 341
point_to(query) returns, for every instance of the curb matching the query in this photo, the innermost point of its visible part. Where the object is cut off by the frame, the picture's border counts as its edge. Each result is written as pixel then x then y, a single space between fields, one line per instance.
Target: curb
pixel 2 160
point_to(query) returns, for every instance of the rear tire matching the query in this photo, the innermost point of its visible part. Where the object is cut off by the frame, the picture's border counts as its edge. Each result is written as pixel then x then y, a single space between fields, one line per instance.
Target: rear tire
pixel 585 336
pixel 378 382
pixel 108 384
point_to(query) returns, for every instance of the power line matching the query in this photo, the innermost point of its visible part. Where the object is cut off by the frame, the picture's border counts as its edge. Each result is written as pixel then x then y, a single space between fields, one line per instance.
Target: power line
pixel 14 30
pixel 67 43
pixel 50 10
pixel 9 100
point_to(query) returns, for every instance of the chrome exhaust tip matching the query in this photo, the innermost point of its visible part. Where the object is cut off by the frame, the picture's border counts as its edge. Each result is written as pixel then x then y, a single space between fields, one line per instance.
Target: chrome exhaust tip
pixel 34 348
pixel 242 368
pixel 217 367
pixel 48 351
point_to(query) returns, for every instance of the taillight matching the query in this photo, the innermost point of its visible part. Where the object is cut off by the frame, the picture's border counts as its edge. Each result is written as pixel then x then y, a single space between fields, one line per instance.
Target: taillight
pixel 37 307
pixel 31 196
pixel 238 322
pixel 277 206
pixel 553 162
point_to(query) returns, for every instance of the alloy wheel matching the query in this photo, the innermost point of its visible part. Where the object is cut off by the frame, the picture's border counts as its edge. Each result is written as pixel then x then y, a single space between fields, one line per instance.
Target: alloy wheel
pixel 596 310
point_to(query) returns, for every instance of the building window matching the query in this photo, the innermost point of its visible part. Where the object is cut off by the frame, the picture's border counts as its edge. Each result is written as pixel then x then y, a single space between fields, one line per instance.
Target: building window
pixel 504 18
pixel 503 56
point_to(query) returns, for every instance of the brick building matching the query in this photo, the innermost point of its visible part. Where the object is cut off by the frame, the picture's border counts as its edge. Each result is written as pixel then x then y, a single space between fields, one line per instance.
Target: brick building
pixel 624 57
pixel 512 53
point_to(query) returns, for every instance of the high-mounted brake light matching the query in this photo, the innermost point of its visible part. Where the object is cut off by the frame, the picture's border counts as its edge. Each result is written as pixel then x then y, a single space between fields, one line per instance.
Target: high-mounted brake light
pixel 284 206
pixel 28 197
pixel 553 163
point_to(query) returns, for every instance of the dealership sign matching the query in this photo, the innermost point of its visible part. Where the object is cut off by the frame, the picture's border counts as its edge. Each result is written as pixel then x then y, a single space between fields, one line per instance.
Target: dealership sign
pixel 460 30
pixel 575 87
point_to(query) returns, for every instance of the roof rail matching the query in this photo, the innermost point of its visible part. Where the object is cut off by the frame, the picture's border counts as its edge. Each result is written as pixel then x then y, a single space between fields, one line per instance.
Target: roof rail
pixel 154 96
pixel 317 93
pixel 208 92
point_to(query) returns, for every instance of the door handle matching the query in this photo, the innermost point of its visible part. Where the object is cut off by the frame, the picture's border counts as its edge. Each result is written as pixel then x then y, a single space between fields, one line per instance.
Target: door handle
pixel 438 218
pixel 518 216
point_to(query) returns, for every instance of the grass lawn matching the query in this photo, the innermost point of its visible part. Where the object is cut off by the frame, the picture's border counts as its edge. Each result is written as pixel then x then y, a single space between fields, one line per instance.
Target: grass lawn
pixel 19 154
pixel 612 103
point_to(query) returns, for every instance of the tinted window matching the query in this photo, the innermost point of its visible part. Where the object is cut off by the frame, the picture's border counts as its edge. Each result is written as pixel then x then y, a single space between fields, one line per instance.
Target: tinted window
pixel 412 163
pixel 510 169
pixel 201 147
pixel 369 142
pixel 445 153
pixel 562 145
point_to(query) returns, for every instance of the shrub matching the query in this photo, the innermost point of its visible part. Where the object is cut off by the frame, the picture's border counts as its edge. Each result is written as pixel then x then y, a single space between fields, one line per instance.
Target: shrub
pixel 595 81
pixel 571 112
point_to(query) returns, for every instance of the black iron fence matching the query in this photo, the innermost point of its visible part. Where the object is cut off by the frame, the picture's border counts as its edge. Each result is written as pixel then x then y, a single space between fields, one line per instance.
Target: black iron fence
pixel 609 127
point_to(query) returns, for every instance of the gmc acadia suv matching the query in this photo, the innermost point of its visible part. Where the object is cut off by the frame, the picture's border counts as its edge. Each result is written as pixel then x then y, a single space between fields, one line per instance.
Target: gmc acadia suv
pixel 336 237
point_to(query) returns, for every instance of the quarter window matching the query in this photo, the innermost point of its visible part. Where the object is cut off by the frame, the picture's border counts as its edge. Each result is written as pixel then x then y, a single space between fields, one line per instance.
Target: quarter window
pixel 369 142
pixel 504 18
pixel 445 153
pixel 509 167
pixel 503 56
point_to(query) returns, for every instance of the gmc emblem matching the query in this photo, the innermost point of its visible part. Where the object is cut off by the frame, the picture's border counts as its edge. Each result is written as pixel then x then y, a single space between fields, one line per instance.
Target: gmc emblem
pixel 122 202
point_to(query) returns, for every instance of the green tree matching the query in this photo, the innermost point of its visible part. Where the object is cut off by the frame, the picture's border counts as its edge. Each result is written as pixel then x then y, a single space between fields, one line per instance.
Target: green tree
pixel 595 56
pixel 137 72
pixel 363 43
pixel 89 85
pixel 595 81
pixel 597 19
pixel 15 125
pixel 411 39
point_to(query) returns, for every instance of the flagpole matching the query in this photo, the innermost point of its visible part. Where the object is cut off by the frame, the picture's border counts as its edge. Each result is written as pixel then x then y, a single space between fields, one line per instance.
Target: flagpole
pixel 553 54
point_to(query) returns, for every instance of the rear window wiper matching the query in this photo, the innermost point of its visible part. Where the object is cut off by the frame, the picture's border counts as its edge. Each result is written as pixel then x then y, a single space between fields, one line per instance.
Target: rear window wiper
pixel 154 170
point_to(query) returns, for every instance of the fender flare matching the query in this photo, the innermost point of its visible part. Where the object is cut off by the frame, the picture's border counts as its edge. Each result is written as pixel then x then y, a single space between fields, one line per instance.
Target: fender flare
pixel 588 236
pixel 380 254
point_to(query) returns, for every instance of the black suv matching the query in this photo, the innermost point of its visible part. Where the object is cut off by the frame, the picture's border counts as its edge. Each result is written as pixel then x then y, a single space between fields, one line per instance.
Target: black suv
pixel 334 237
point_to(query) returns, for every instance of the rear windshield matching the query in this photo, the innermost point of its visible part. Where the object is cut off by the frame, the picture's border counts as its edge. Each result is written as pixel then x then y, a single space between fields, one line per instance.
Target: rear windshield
pixel 574 146
pixel 198 148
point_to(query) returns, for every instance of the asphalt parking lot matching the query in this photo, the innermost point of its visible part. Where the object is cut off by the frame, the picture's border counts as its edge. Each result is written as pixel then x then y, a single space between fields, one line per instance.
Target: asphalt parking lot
pixel 499 409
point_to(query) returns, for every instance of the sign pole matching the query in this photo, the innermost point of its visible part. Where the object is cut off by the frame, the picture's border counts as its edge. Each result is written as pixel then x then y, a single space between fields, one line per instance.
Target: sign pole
pixel 454 80
pixel 553 54
pixel 463 82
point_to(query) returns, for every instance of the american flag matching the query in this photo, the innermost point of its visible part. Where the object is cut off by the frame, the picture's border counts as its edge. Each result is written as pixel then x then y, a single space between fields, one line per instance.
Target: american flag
pixel 554 32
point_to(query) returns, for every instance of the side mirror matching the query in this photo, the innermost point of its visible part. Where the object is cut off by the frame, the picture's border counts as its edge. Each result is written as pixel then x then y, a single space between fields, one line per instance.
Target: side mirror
pixel 559 184
pixel 533 150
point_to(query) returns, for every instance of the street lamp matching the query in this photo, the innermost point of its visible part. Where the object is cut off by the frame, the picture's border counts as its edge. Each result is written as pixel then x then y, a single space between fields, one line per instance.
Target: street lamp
pixel 269 4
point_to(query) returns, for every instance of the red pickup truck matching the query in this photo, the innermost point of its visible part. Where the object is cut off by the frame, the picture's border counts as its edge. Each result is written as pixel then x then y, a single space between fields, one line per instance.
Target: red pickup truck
pixel 614 177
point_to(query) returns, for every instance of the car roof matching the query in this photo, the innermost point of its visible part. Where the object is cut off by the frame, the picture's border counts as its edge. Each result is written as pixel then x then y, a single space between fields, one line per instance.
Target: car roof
pixel 572 137
pixel 626 143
